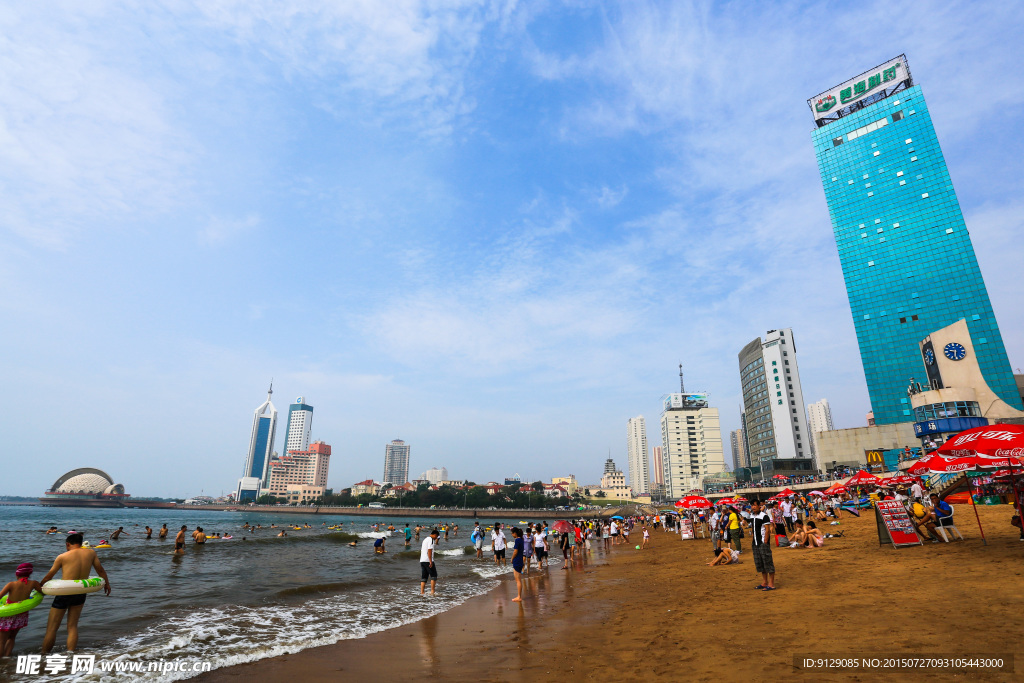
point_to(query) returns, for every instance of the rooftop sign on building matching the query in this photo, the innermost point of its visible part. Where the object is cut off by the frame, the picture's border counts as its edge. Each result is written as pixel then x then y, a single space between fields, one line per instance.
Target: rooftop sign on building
pixel 882 79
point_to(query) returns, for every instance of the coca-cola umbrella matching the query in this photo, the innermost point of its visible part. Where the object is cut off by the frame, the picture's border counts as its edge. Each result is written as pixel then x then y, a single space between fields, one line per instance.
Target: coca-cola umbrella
pixel 690 502
pixel 967 464
pixel 785 492
pixel 917 468
pixel 862 478
pixel 780 476
pixel 990 442
pixel 899 480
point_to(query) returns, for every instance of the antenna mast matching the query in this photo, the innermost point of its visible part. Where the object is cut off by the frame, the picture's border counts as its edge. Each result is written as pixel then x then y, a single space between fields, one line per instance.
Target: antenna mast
pixel 682 389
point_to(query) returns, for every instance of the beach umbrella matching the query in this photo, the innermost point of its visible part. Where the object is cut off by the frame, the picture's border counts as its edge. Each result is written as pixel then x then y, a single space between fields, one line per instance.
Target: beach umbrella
pixel 917 468
pixel 739 499
pixel 562 526
pixel 694 502
pixel 780 476
pixel 817 493
pixel 786 492
pixel 613 517
pixel 992 441
pixel 862 478
pixel 835 489
pixel 899 480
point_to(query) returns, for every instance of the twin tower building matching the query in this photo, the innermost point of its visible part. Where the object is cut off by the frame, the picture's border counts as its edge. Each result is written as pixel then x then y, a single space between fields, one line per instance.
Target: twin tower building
pixel 933 356
pixel 301 474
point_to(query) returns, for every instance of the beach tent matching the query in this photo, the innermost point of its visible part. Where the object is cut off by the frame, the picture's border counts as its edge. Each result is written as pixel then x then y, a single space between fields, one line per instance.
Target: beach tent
pixel 862 478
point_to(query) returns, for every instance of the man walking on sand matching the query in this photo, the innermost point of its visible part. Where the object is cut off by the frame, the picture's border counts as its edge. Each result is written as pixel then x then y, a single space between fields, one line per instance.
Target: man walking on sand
pixel 73 564
pixel 427 568
pixel 760 539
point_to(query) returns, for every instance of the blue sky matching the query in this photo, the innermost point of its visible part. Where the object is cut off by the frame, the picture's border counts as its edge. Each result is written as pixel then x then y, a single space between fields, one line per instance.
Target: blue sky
pixel 490 229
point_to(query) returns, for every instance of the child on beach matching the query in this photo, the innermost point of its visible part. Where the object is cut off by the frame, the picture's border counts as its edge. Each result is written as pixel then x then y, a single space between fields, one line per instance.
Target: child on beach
pixel 16 591
pixel 647 538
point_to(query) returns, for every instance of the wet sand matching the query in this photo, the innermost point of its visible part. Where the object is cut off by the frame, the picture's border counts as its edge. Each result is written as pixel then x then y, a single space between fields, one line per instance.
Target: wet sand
pixel 662 614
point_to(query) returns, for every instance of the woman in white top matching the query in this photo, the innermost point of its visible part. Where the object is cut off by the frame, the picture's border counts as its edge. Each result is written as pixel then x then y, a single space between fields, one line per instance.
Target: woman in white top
pixel 725 556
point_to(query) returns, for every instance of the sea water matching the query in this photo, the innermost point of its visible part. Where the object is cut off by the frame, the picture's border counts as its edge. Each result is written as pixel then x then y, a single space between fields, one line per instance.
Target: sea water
pixel 234 601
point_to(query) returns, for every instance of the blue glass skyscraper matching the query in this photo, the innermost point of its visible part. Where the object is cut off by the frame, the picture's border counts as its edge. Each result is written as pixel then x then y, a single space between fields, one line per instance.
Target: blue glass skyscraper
pixel 261 447
pixel 906 255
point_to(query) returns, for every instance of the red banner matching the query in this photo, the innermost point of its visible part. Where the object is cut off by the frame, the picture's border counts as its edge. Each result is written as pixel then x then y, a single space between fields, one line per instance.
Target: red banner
pixel 895 523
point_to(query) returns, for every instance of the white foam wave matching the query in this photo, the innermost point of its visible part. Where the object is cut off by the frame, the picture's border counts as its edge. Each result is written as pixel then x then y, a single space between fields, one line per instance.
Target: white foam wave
pixel 234 634
pixel 374 534
pixel 491 571
pixel 453 551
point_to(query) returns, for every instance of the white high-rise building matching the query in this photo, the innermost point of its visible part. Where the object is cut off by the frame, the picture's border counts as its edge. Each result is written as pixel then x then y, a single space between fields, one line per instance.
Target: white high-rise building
pixel 300 425
pixel 396 463
pixel 773 405
pixel 691 442
pixel 636 455
pixel 819 419
pixel 435 475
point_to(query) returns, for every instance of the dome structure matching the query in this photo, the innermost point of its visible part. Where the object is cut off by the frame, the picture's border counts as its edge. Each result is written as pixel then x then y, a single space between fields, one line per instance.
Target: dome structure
pixel 86 486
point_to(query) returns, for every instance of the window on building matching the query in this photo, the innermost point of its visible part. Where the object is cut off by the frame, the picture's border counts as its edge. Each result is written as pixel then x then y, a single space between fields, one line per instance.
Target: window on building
pixel 897 116
pixel 913 317
pixel 837 141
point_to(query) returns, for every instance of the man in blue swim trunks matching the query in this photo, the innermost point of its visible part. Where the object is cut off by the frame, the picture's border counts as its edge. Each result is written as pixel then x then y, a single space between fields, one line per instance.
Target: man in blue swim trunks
pixel 378 546
pixel 73 564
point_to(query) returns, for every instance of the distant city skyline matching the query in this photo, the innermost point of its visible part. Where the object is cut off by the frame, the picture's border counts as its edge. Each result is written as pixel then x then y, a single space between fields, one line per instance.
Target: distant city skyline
pixel 491 229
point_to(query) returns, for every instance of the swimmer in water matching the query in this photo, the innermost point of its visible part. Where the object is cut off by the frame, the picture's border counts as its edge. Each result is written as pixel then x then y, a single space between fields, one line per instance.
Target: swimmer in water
pixel 16 591
pixel 149 533
pixel 283 533
pixel 179 541
pixel 378 546
pixel 120 530
pixel 163 532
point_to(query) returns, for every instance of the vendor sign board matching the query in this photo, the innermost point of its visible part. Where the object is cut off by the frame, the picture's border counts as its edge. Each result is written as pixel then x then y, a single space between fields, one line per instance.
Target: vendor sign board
pixel 894 524
pixel 686 531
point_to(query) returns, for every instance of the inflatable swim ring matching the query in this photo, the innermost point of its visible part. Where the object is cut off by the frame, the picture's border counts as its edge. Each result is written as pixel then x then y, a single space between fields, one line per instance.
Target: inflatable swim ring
pixel 73 586
pixel 10 609
pixel 103 545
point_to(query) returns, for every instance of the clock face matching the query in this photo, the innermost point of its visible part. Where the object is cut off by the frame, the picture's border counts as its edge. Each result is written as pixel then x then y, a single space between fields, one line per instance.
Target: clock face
pixel 955 351
pixel 929 357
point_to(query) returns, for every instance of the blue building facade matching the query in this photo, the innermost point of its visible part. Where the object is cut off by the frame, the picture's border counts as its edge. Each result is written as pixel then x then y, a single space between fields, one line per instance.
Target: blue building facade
pixel 905 251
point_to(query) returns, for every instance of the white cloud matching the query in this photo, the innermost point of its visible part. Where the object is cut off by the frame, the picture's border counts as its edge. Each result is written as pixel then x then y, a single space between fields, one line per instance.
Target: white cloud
pixel 219 230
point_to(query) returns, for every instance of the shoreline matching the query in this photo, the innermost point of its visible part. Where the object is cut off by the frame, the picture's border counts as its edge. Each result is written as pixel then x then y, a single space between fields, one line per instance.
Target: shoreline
pixel 661 614
pixel 444 643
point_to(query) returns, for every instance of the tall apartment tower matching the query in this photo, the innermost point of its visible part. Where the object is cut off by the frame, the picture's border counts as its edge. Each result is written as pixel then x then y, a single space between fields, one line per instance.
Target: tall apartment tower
pixel 907 257
pixel 396 463
pixel 773 402
pixel 300 425
pixel 691 441
pixel 738 442
pixel 819 419
pixel 261 447
pixel 636 455
pixel 657 466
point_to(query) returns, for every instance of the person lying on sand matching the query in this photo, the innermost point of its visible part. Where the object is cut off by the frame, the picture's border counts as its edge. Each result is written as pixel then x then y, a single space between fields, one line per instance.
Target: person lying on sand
pixel 725 556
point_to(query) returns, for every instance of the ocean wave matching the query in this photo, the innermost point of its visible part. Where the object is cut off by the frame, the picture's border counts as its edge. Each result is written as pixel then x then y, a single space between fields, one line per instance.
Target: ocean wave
pixel 468 550
pixel 491 571
pixel 235 634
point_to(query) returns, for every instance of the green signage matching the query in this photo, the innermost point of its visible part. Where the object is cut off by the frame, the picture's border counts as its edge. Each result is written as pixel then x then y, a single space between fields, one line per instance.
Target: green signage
pixel 862 88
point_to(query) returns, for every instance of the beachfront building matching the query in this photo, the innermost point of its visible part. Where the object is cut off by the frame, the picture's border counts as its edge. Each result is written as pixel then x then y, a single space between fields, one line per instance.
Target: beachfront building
pixel 738 443
pixel 567 484
pixel 691 442
pixel 396 462
pixel 906 255
pixel 368 486
pixel 303 494
pixel 819 419
pixel 610 480
pixel 307 467
pixel 773 406
pixel 299 427
pixel 636 455
pixel 435 475
pixel 261 448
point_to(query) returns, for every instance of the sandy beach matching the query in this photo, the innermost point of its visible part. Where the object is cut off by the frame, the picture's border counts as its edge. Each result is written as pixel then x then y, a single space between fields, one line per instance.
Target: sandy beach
pixel 661 614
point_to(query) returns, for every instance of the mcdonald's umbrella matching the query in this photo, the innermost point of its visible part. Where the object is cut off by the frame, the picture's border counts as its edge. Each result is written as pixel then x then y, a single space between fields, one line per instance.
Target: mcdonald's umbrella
pixel 563 527
pixel 693 502
pixel 992 441
pixel 862 478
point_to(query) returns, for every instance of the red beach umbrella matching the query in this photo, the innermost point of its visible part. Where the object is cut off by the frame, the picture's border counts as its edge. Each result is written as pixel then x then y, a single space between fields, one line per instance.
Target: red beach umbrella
pixel 862 478
pixel 785 492
pixel 780 476
pixel 899 480
pixel 917 468
pixel 562 526
pixel 693 502
pixel 992 441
